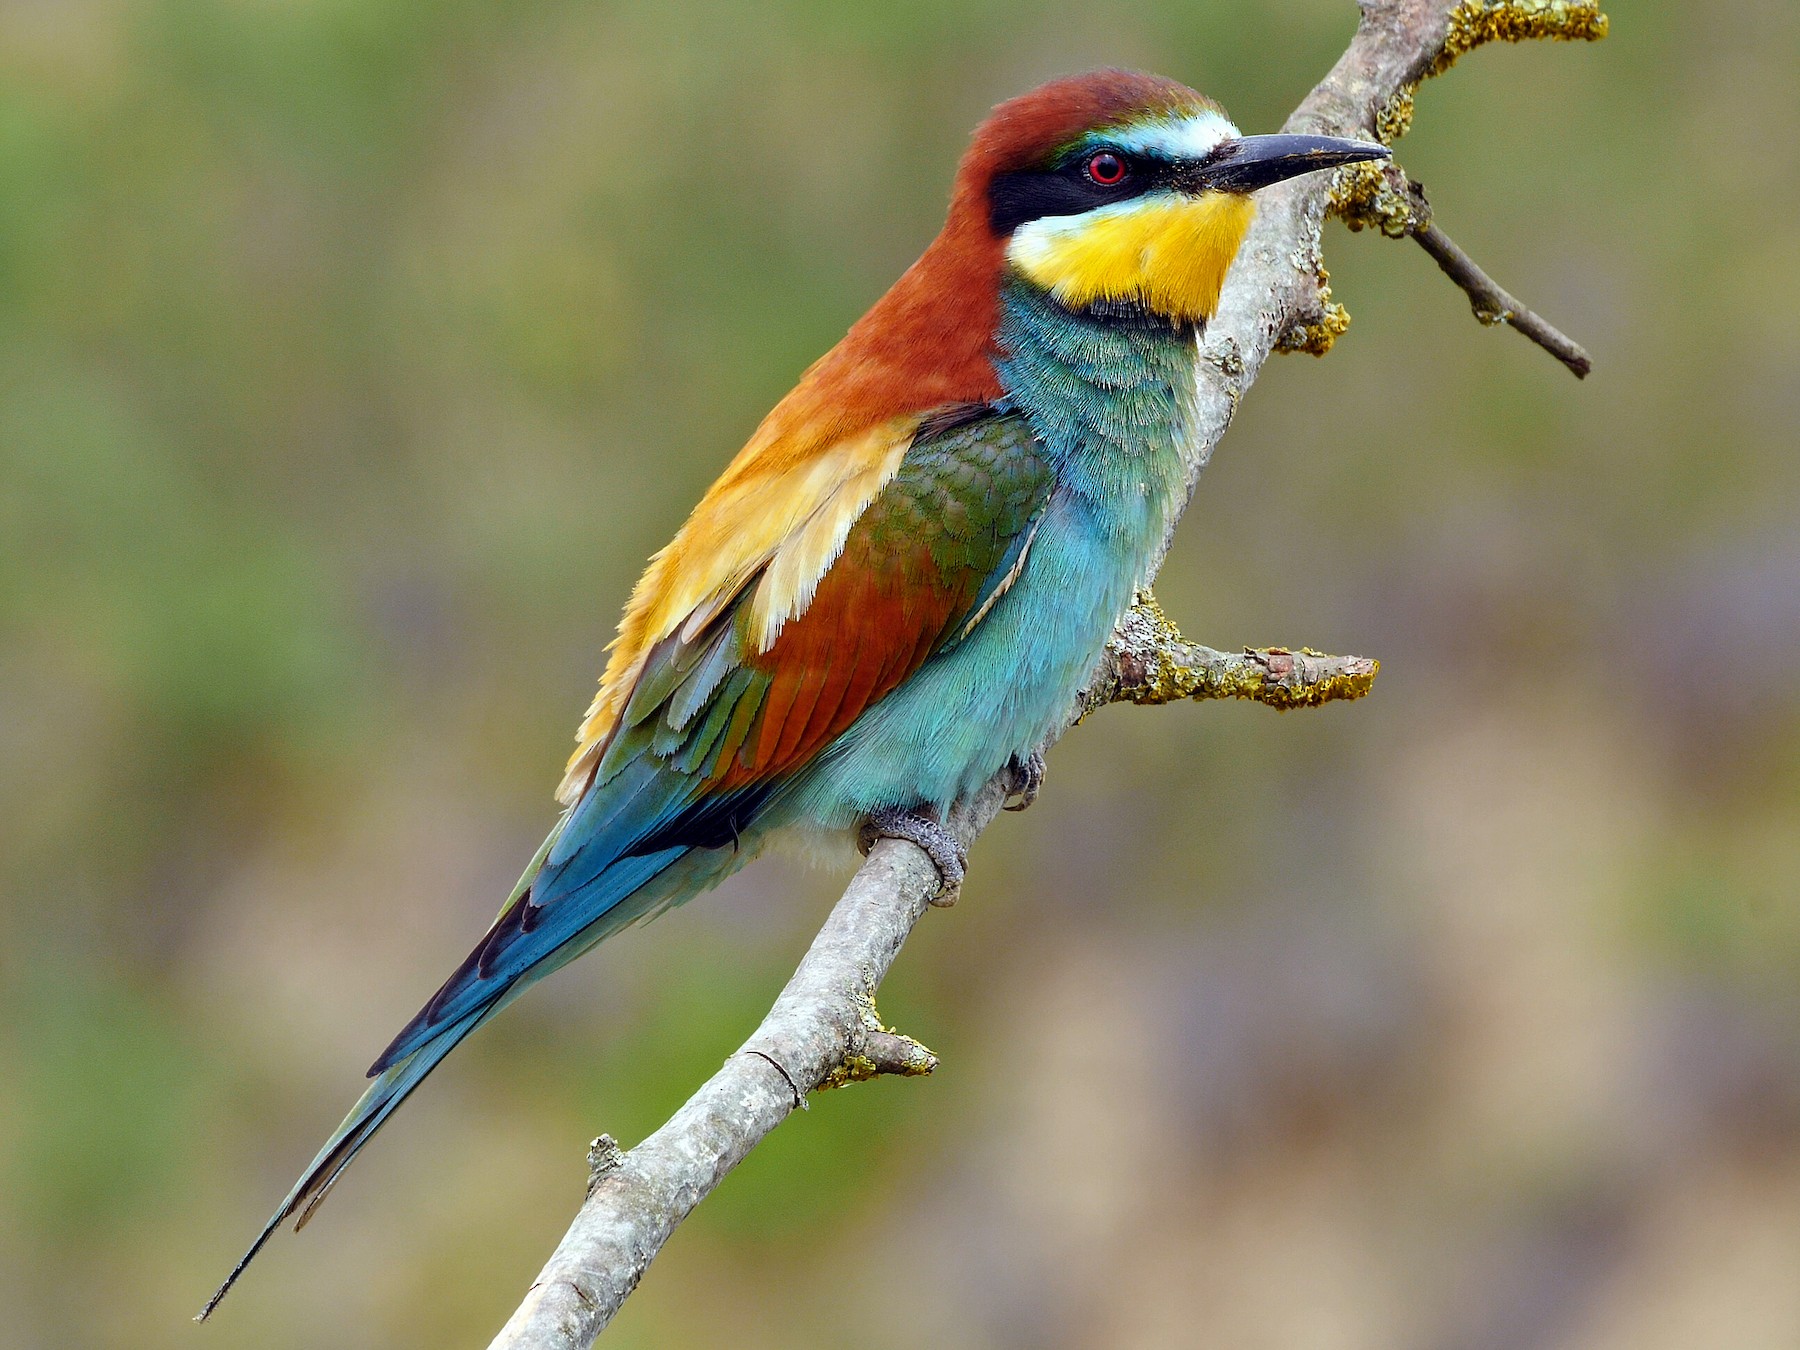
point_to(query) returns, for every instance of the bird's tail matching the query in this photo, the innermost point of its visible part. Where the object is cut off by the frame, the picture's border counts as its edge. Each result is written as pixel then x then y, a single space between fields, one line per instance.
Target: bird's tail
pixel 392 1084
pixel 591 877
pixel 389 1089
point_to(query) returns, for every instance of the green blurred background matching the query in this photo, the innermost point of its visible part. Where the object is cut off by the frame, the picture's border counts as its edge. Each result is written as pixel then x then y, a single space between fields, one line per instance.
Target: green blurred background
pixel 355 353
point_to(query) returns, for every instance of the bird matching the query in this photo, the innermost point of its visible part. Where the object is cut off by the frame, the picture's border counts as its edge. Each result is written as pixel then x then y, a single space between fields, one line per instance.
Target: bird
pixel 895 589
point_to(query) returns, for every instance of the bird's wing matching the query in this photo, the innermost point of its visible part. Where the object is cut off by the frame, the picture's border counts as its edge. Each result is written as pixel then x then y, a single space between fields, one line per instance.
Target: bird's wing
pixel 917 570
pixel 718 715
pixel 776 519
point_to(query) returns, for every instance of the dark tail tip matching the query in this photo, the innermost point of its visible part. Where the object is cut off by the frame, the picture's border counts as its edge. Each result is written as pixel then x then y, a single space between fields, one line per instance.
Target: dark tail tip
pixel 243 1262
pixel 366 1117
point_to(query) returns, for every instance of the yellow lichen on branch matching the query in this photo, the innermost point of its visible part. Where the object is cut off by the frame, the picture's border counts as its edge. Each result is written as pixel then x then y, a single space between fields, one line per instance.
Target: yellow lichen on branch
pixel 1150 662
pixel 1380 196
pixel 854 1069
pixel 1370 201
pixel 1317 336
pixel 1477 22
pixel 882 1051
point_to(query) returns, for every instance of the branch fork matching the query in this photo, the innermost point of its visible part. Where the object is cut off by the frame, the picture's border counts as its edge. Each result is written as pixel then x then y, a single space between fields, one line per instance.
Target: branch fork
pixel 878 1050
pixel 824 1031
pixel 1380 195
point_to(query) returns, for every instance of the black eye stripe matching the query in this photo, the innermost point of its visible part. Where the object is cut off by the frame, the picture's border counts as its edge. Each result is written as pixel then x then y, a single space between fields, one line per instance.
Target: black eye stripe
pixel 1067 189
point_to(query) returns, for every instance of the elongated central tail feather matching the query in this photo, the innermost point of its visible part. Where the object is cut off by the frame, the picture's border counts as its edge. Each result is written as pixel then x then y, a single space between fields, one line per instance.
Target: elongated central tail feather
pixel 526 943
pixel 367 1116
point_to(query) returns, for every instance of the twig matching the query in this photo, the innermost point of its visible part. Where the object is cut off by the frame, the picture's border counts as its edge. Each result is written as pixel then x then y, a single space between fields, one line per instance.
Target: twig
pixel 1382 197
pixel 1494 305
pixel 823 1027
pixel 1150 662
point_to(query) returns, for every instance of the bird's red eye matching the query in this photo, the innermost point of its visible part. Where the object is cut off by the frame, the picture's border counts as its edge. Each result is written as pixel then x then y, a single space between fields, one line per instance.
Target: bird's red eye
pixel 1106 169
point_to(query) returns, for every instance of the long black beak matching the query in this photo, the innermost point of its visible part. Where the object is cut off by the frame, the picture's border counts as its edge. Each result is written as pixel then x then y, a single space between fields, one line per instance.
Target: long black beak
pixel 1252 162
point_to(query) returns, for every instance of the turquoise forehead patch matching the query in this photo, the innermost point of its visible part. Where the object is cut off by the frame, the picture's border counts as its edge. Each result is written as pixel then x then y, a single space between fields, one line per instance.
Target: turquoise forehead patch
pixel 1190 135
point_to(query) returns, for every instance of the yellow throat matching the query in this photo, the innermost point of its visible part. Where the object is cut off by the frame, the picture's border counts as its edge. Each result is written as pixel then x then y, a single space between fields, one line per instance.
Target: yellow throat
pixel 1168 252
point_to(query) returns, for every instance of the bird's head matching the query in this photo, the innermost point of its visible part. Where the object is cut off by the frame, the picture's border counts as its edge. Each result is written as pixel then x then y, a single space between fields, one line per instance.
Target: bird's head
pixel 1105 188
pixel 1121 188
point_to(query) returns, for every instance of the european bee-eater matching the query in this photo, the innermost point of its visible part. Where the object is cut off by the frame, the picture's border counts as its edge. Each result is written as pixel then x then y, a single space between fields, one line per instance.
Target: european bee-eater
pixel 897 587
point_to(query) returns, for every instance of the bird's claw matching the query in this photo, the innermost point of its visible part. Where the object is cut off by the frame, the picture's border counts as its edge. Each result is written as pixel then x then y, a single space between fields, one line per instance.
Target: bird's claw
pixel 1028 779
pixel 947 855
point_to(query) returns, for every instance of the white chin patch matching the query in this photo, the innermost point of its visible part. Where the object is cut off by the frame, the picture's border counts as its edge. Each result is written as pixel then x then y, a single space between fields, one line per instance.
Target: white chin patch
pixel 1189 137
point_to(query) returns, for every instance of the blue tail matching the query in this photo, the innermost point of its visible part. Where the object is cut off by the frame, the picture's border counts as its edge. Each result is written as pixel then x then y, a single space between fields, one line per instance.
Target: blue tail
pixel 611 860
pixel 377 1104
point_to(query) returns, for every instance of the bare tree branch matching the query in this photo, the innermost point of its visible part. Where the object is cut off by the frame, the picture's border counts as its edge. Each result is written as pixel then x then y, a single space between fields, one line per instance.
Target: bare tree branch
pixel 818 1033
pixel 823 1030
pixel 1382 197
pixel 1493 305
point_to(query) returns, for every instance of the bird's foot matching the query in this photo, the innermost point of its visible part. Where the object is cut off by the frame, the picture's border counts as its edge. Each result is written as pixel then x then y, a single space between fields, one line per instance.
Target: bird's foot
pixel 1028 779
pixel 949 857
